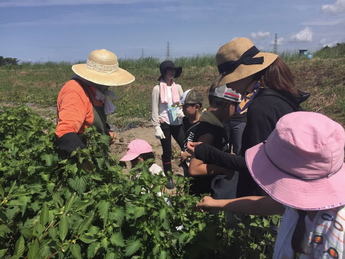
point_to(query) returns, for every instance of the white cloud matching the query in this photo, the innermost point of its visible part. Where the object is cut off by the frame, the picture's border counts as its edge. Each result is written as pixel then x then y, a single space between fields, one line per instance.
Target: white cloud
pixel 325 43
pixel 305 35
pixel 260 35
pixel 337 7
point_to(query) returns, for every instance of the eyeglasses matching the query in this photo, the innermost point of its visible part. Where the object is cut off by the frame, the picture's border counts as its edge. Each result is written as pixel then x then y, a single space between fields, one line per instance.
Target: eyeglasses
pixel 188 104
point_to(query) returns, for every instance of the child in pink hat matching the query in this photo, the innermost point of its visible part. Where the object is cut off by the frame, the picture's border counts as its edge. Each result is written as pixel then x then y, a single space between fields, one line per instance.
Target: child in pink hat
pixel 138 151
pixel 301 168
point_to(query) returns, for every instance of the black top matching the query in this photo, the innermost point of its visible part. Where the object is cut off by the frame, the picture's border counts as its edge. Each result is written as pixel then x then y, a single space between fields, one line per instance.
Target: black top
pixel 211 155
pixel 220 139
pixel 266 109
pixel 263 113
pixel 202 184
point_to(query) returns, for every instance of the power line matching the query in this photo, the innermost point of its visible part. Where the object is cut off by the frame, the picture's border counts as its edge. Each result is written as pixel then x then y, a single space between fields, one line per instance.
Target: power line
pixel 275 45
pixel 168 50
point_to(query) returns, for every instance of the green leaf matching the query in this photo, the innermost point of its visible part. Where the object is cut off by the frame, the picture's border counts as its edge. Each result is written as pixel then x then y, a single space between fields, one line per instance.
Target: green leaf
pixel 163 255
pixel 48 158
pixel 63 227
pixel 110 255
pixel 162 213
pixel 78 184
pixel 44 216
pixel 53 233
pixel 92 249
pixel 38 230
pixel 4 230
pixel 103 208
pixel 87 239
pixel 3 253
pixel 85 224
pixel 2 192
pixel 117 239
pixel 34 249
pixel 134 212
pixel 132 247
pixel 76 251
pixel 19 248
pixel 70 202
pixel 118 214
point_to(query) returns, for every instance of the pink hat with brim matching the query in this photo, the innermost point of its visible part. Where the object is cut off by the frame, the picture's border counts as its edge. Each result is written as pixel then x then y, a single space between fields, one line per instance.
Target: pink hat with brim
pixel 135 148
pixel 301 165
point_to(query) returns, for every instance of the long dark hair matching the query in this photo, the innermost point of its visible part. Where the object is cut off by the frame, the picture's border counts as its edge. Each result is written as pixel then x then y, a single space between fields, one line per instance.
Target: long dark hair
pixel 278 76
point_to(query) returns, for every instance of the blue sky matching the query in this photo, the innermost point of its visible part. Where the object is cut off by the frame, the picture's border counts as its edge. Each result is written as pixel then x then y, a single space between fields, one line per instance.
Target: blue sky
pixel 67 30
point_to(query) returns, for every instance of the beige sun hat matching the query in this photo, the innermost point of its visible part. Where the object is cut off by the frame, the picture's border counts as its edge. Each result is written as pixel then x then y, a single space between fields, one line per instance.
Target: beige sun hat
pixel 102 67
pixel 239 59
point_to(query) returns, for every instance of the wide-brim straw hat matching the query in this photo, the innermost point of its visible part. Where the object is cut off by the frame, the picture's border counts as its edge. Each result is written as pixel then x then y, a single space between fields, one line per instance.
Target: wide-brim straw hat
pixel 239 59
pixel 301 165
pixel 102 67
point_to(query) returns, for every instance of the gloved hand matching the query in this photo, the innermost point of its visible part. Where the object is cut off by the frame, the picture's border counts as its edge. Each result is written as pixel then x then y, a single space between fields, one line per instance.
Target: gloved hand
pixel 159 133
pixel 180 113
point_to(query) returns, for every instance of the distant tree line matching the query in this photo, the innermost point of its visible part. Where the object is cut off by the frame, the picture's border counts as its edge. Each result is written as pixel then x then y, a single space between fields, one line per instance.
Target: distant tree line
pixel 8 61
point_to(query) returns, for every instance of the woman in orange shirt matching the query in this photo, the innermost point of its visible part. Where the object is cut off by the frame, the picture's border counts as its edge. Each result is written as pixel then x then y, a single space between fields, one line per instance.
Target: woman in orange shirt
pixel 85 100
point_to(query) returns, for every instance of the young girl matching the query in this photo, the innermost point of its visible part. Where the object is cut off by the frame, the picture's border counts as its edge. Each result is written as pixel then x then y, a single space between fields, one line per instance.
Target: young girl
pixel 301 169
pixel 167 114
pixel 138 151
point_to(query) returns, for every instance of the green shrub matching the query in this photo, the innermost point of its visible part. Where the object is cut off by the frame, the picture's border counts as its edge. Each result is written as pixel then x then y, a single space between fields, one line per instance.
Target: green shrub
pixel 86 207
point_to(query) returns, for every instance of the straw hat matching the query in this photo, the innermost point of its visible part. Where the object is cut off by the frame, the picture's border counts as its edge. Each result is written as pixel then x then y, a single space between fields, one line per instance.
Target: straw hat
pixel 239 59
pixel 102 67
pixel 301 165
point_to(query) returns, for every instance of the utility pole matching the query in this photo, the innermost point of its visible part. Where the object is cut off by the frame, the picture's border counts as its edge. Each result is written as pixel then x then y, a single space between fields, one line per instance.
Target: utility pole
pixel 142 53
pixel 168 51
pixel 275 45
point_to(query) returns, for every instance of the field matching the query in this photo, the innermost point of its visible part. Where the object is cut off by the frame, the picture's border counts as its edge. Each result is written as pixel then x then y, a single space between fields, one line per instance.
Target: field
pixel 59 208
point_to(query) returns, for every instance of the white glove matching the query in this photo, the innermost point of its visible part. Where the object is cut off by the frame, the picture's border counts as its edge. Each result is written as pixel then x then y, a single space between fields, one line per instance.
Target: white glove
pixel 179 113
pixel 159 133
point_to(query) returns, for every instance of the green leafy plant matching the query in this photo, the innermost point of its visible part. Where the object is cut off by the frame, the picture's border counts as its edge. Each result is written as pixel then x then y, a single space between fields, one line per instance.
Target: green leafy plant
pixel 85 206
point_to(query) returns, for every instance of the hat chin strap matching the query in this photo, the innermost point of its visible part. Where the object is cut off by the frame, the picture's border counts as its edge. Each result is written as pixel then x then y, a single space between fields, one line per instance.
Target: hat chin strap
pixel 108 69
pixel 245 59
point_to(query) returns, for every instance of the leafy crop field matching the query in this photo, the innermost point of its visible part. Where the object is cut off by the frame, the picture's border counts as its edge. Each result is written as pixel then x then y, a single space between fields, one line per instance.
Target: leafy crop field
pixel 87 206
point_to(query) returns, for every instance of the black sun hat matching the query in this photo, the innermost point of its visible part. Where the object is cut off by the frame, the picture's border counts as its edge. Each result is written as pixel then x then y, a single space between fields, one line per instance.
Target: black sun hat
pixel 168 64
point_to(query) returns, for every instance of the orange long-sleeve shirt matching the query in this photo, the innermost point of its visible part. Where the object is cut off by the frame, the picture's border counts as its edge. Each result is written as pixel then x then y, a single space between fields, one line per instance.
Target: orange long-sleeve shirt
pixel 74 109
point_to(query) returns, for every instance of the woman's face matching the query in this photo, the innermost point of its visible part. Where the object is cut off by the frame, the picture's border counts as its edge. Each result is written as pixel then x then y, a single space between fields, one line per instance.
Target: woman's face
pixel 169 74
pixel 243 86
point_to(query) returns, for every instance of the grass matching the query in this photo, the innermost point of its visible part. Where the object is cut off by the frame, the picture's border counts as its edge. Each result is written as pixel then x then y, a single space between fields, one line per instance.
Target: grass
pixel 39 84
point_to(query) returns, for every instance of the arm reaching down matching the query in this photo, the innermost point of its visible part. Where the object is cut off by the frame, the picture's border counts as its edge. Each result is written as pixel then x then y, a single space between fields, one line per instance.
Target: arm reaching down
pixel 254 205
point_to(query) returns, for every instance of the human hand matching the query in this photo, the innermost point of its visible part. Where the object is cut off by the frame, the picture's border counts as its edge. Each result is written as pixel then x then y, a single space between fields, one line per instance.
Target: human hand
pixel 159 133
pixel 184 155
pixel 180 113
pixel 207 202
pixel 191 146
pixel 113 136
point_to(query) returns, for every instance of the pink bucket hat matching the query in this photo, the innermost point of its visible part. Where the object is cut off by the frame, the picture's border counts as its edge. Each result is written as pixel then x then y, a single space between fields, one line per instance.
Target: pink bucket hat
pixel 301 164
pixel 135 148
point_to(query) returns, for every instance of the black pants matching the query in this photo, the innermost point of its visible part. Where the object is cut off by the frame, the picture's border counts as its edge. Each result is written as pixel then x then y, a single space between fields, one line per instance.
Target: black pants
pixel 178 134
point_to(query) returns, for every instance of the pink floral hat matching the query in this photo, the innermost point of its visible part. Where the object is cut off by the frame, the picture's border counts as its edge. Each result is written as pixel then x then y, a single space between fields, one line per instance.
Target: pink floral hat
pixel 301 164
